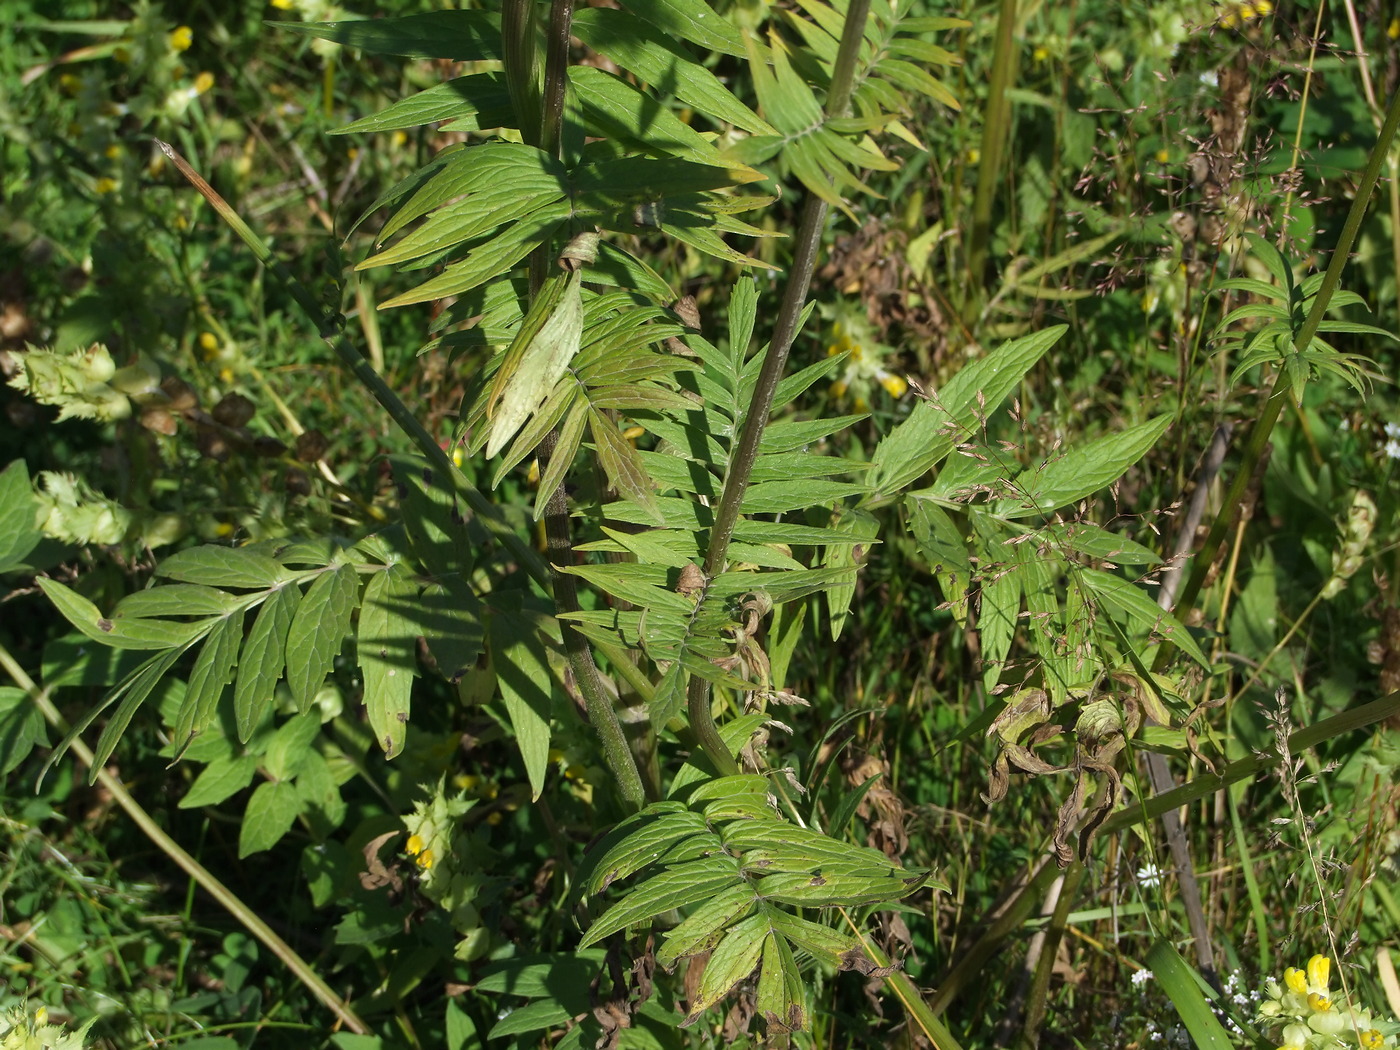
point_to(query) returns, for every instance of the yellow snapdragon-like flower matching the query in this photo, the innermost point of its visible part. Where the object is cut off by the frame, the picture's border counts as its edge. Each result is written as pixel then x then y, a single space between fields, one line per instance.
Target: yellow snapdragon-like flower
pixel 180 38
pixel 1302 1013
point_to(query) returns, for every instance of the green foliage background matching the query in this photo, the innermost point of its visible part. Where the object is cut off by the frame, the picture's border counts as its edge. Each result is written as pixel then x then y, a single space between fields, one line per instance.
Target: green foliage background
pixel 1068 245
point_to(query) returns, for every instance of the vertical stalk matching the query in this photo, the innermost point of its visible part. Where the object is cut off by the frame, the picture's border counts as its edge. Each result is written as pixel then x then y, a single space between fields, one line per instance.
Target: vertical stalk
pixel 807 244
pixel 995 127
pixel 558 531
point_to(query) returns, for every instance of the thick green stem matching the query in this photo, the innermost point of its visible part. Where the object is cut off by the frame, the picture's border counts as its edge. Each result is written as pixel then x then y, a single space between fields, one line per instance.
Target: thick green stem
pixel 806 245
pixel 995 126
pixel 372 381
pixel 1263 427
pixel 172 849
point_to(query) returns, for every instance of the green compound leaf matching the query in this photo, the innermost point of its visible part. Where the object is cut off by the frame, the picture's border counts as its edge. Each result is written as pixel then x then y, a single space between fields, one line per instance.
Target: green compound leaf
pixel 471 103
pixel 19 534
pixel 222 778
pixel 21 728
pixel 727 855
pixel 119 633
pixel 782 1001
pixel 264 654
pixel 521 660
pixel 213 670
pixel 216 566
pixel 457 36
pixel 1133 601
pixel 177 599
pixel 948 417
pixel 271 812
pixel 1083 470
pixel 387 643
pixel 318 632
pixel 141 685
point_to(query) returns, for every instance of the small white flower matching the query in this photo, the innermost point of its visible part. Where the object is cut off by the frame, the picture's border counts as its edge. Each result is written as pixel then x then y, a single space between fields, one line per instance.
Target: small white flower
pixel 1392 448
pixel 1149 875
pixel 1141 977
pixel 1392 430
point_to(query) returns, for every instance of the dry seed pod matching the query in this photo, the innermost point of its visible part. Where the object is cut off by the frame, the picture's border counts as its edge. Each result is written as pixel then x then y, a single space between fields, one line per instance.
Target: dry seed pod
pixel 233 410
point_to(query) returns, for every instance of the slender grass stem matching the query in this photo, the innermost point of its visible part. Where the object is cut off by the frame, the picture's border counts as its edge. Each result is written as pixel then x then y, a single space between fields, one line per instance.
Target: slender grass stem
pixel 229 900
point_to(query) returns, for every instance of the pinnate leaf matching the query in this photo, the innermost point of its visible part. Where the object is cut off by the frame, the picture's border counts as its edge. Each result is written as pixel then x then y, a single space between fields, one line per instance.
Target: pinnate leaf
pixel 318 631
pixel 264 654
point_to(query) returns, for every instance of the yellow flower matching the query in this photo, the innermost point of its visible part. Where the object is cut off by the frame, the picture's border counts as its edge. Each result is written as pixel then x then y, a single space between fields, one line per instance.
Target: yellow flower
pixel 282 5
pixel 180 38
pixel 1393 30
pixel 105 185
pixel 1296 980
pixel 894 385
pixel 1370 1039
pixel 208 342
pixel 1319 972
pixel 425 859
pixel 1163 156
pixel 203 82
pixel 414 844
pixel 1040 54
pixel 398 139
pixel 1318 1002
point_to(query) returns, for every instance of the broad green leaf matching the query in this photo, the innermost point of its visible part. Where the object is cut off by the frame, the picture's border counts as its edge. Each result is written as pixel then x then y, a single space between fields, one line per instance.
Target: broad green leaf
pixel 438 526
pixel 124 633
pixel 176 599
pixel 621 464
pixel 318 632
pixel 449 617
pixel 532 1017
pixel 264 655
pixel 646 840
pixel 945 549
pixel 865 529
pixel 548 340
pixel 271 812
pixel 1084 469
pixel 733 959
pixel 565 449
pixel 536 976
pixel 457 36
pixel 489 259
pixel 213 670
pixel 947 417
pixel 387 644
pixel 654 57
pixel 612 108
pixel 290 745
pixel 702 930
pixel 780 497
pixel 819 890
pixel 996 623
pixel 19 533
pixel 481 99
pixel 821 942
pixel 224 776
pixel 677 887
pixel 782 997
pixel 21 727
pixel 152 671
pixel 1091 541
pixel 215 566
pixel 521 660
pixel 1132 600
pixel 692 20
